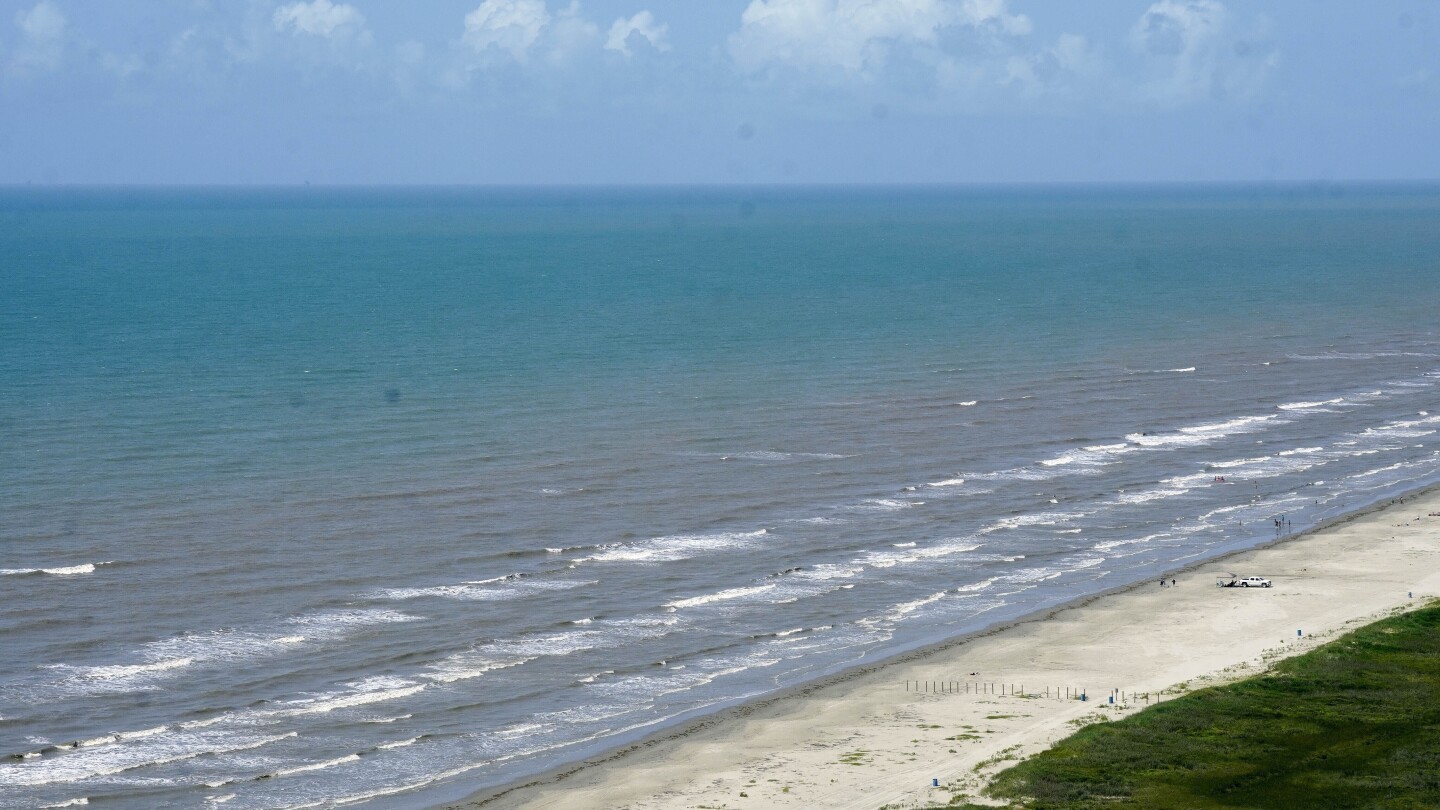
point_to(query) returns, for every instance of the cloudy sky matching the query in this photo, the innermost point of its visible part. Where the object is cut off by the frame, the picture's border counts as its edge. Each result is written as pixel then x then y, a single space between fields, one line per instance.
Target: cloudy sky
pixel 717 91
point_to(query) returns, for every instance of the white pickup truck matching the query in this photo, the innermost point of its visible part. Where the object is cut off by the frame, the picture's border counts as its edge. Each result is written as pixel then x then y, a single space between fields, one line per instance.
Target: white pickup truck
pixel 1243 582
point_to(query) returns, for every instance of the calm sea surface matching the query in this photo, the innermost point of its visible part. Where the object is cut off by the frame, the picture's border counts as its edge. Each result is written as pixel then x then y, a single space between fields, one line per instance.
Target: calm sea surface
pixel 315 496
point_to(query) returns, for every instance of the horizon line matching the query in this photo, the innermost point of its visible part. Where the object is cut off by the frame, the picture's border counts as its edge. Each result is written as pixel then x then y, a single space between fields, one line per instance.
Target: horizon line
pixel 897 184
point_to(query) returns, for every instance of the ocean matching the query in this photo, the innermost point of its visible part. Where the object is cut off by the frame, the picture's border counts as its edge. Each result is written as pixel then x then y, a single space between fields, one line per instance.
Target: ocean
pixel 385 496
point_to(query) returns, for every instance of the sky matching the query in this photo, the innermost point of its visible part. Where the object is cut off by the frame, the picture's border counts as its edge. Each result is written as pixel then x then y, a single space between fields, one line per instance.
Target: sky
pixel 717 91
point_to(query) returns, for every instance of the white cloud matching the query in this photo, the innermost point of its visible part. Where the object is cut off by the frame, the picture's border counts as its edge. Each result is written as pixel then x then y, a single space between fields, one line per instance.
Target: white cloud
pixel 643 25
pixel 42 23
pixel 320 18
pixel 857 37
pixel 1194 52
pixel 511 25
pixel 570 34
pixel 42 45
pixel 1058 67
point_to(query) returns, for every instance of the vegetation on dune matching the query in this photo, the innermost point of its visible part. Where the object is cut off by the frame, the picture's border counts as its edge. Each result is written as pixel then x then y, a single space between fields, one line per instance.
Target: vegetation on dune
pixel 1352 724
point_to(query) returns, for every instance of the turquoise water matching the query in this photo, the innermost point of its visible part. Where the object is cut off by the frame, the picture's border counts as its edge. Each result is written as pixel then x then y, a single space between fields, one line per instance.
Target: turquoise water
pixel 388 495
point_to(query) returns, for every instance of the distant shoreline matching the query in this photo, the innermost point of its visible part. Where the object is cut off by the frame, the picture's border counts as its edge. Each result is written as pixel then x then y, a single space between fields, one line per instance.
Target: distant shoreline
pixel 616 760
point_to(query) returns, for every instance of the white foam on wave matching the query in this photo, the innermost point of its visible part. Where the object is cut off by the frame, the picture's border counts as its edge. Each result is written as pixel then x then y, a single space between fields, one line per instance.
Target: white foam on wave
pixel 1160 493
pixel 1357 355
pixel 828 571
pixel 1093 455
pixel 720 596
pixel 1403 428
pixel 513 652
pixel 87 568
pixel 556 644
pixel 758 455
pixel 467 666
pixel 493 580
pixel 121 736
pixel 524 728
pixel 1306 406
pixel 975 587
pixel 675 547
pixel 1195 435
pixel 1301 451
pixel 378 689
pixel 1029 575
pixel 821 521
pixel 1036 473
pixel 120 671
pixel 890 559
pixel 948 482
pixel 1107 545
pixel 1239 462
pixel 969 403
pixel 314 766
pixel 644 689
pixel 904 609
pixel 169 657
pixel 80 802
pixel 61 571
pixel 1400 465
pixel 383 720
pixel 499 589
pixel 88 763
pixel 778 455
pixel 1185 370
pixel 333 624
pixel 884 505
pixel 1279 464
pixel 1033 519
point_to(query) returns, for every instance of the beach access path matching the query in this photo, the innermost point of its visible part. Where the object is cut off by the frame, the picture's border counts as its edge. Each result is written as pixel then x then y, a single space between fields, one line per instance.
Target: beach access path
pixel 883 735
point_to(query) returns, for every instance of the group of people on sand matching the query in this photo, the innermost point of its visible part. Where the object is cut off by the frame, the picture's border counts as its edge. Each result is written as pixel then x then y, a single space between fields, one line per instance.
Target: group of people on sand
pixel 1162 583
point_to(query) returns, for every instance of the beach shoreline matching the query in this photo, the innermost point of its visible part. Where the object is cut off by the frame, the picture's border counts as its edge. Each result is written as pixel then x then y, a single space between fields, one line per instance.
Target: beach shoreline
pixel 721 755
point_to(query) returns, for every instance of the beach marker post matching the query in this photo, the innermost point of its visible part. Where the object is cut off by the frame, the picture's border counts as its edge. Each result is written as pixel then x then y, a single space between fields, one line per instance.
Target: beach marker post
pixel 1297 633
pixel 934 783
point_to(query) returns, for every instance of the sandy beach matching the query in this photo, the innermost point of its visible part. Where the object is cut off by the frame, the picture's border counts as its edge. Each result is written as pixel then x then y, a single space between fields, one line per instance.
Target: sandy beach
pixel 884 735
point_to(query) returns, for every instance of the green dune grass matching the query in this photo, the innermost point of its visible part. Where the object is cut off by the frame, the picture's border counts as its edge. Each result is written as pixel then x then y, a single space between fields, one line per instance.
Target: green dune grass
pixel 1355 723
